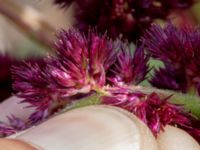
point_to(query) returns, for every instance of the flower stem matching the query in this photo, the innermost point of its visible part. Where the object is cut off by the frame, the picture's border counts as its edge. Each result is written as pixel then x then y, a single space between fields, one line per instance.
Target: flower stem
pixel 29 21
pixel 190 102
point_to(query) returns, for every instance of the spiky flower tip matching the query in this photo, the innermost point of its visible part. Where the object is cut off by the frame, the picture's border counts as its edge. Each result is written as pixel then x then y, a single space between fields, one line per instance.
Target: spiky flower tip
pixel 179 50
pixel 127 17
pixel 31 84
pixel 130 67
pixel 152 110
pixel 82 65
pixel 155 112
pixel 13 126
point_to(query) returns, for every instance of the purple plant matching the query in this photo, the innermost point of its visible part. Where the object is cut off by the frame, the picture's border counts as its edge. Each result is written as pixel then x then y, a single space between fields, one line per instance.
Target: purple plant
pixel 151 109
pixel 179 50
pixel 82 65
pixel 129 18
pixel 14 125
pixel 130 67
pixel 31 84
pixel 93 64
pixel 154 111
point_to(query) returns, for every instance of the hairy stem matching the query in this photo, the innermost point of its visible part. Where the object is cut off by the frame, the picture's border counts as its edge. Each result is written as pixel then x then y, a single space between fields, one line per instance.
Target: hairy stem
pixel 191 103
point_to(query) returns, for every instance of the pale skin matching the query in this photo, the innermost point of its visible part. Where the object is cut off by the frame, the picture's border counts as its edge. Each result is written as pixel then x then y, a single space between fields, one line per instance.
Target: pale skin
pixel 79 129
pixel 34 140
pixel 9 144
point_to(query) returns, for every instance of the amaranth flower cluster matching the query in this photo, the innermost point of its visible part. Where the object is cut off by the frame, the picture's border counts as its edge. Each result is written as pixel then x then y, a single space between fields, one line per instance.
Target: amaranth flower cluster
pixel 179 50
pixel 150 108
pixel 129 18
pixel 91 64
pixel 83 64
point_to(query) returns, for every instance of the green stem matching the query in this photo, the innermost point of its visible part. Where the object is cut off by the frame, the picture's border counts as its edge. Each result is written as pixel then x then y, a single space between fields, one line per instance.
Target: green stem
pixel 190 102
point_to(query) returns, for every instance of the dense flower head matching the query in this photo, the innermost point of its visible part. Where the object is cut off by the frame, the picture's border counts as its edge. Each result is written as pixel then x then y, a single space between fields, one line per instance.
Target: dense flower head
pixel 127 17
pixel 150 108
pixel 87 57
pixel 179 50
pixel 82 64
pixel 130 67
pixel 169 78
pixel 31 83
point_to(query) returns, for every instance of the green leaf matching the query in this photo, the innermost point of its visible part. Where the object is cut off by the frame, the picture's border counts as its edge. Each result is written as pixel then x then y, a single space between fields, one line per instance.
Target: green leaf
pixel 190 102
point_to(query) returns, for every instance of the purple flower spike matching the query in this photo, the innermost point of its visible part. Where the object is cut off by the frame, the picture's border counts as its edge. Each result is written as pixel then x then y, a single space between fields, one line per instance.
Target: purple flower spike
pixel 38 116
pixel 6 130
pixel 102 55
pixel 15 125
pixel 72 61
pixel 168 78
pixel 31 84
pixel 80 66
pixel 83 61
pixel 179 50
pixel 153 111
pixel 130 67
pixel 166 44
pixel 129 18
